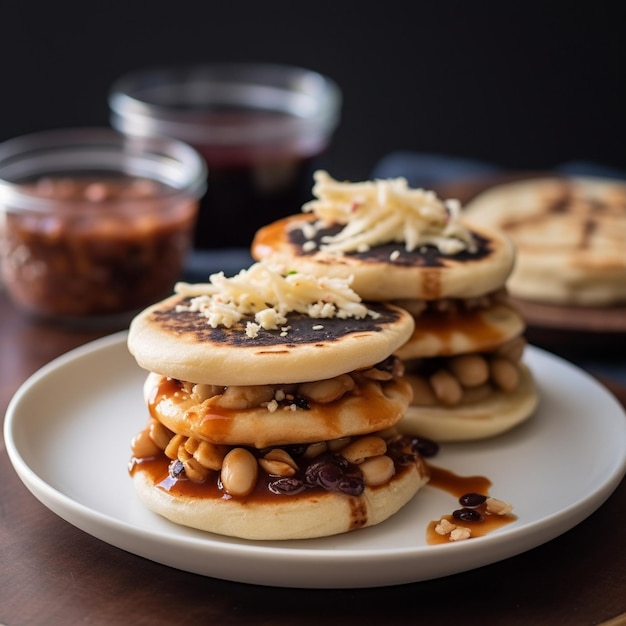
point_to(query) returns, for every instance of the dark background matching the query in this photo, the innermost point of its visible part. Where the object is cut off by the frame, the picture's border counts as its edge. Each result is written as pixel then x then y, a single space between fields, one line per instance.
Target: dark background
pixel 526 88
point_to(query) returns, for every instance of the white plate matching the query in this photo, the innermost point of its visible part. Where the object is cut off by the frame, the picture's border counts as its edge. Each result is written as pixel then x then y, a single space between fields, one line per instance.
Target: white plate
pixel 68 430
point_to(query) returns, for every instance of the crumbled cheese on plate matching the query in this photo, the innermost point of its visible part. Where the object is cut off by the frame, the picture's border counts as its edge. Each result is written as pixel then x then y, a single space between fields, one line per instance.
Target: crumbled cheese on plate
pixel 269 292
pixel 383 211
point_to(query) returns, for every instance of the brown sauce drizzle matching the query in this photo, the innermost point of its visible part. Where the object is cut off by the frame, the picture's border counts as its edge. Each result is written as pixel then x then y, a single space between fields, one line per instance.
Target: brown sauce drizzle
pixel 458 486
pixel 157 469
pixel 469 323
pixel 215 423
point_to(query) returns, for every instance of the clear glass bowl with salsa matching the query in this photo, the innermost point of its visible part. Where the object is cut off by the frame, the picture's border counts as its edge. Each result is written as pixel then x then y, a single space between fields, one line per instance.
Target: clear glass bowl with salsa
pixel 95 225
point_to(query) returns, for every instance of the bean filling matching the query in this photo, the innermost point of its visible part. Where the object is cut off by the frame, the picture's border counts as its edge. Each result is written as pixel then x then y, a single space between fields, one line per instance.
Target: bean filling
pixel 465 378
pixel 345 465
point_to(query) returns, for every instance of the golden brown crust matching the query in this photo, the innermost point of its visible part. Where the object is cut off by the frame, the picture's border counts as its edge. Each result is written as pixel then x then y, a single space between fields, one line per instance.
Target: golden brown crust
pixel 184 346
pixel 421 274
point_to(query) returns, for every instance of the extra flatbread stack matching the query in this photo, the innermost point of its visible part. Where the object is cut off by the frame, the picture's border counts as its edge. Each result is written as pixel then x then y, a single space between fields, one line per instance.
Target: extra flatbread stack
pixel 570 235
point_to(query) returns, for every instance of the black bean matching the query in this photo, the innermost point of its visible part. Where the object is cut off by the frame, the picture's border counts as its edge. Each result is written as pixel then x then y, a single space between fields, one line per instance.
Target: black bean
pixel 425 447
pixel 296 449
pixel 406 459
pixel 472 499
pixel 386 365
pixel 467 515
pixel 339 461
pixel 286 486
pixel 352 485
pixel 332 472
pixel 302 403
pixel 329 476
pixel 323 473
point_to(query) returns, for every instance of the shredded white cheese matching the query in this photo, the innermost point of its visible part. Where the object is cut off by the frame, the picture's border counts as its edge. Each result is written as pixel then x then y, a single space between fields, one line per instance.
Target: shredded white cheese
pixel 383 211
pixel 270 292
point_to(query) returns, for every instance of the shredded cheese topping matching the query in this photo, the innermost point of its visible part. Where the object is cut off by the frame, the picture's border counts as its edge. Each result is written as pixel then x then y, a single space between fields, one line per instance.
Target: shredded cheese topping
pixel 269 292
pixel 380 212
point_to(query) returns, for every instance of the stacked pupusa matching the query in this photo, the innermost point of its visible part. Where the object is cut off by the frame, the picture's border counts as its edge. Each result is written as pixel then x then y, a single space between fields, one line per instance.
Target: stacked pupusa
pixel 273 399
pixel 464 358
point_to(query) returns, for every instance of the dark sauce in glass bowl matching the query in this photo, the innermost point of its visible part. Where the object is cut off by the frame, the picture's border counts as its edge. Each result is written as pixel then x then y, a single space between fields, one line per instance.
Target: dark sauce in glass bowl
pixel 95 249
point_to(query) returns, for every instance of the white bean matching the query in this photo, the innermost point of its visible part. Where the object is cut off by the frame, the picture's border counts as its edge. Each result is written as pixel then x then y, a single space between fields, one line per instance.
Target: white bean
pixel 377 470
pixel 239 472
pixel 202 392
pixel 245 396
pixel 364 447
pixel 423 394
pixel 160 434
pixel 469 369
pixel 278 454
pixel 143 447
pixel 210 455
pixel 513 350
pixel 504 374
pixel 325 391
pixel 171 451
pixel 194 471
pixel 315 449
pixel 276 468
pixel 446 387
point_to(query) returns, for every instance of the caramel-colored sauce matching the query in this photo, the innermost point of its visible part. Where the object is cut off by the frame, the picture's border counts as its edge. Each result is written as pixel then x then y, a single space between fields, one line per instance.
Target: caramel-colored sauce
pixel 169 404
pixel 157 469
pixel 458 486
pixel 488 524
pixel 472 324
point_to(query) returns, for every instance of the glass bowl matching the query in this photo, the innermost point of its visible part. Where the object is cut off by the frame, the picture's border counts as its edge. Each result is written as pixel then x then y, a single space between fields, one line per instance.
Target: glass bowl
pixel 95 225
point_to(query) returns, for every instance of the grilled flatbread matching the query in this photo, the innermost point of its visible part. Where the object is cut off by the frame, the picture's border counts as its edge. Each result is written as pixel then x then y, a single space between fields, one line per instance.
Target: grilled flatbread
pixel 570 235
pixel 183 345
pixel 389 272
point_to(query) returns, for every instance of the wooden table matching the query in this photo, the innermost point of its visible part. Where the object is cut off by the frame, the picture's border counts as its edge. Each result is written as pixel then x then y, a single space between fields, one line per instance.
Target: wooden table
pixel 53 573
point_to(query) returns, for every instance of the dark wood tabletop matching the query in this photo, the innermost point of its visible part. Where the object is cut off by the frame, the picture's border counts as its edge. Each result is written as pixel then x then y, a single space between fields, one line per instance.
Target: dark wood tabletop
pixel 54 573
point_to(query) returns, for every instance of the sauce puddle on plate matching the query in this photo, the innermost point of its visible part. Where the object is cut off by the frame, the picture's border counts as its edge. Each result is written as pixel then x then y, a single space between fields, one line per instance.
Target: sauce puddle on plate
pixel 478 513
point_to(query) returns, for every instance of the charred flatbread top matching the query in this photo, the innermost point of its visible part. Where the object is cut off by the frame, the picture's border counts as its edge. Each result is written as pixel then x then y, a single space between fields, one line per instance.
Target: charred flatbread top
pixel 396 242
pixel 285 327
